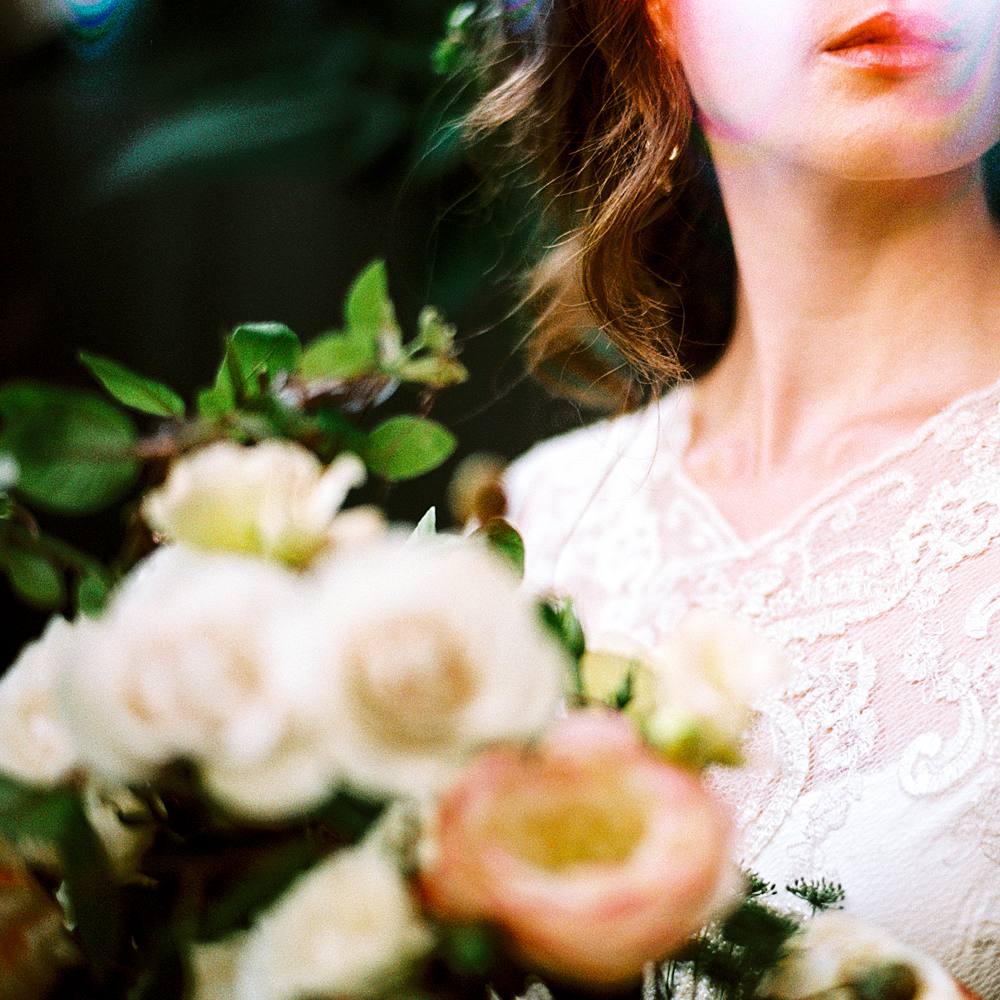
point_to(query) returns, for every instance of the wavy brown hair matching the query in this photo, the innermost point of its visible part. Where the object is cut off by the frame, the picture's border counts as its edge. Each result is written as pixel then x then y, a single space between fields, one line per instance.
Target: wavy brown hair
pixel 637 290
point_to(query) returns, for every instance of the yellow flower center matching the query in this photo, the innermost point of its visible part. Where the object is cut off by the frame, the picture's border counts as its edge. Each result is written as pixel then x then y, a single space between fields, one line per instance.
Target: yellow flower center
pixel 585 826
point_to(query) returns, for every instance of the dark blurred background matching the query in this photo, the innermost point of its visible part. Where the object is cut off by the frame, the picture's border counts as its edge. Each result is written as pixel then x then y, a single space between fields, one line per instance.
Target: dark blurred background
pixel 170 168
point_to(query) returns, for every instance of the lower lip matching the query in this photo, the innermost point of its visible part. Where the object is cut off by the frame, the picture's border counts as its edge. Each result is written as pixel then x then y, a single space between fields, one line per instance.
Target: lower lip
pixel 890 59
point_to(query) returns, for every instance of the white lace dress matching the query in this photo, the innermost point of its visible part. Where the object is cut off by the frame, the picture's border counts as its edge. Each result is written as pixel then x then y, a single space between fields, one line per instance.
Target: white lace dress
pixel 878 765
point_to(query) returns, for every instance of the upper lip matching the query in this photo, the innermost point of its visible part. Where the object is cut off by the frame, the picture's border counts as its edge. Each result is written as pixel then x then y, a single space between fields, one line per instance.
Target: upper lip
pixel 888 28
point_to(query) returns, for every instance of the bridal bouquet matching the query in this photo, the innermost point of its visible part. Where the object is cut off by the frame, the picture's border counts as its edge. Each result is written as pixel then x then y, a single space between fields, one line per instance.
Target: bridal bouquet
pixel 280 748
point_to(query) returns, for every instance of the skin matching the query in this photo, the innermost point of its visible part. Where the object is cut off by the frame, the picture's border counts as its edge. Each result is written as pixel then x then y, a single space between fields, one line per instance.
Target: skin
pixel 868 296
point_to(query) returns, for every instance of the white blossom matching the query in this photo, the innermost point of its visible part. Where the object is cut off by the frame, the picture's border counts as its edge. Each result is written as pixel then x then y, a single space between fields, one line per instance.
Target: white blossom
pixel 709 674
pixel 35 747
pixel 835 950
pixel 425 652
pixel 348 928
pixel 273 499
pixel 182 666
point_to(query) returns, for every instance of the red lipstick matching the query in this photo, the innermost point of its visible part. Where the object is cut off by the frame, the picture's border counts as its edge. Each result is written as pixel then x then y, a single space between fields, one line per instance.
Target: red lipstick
pixel 891 45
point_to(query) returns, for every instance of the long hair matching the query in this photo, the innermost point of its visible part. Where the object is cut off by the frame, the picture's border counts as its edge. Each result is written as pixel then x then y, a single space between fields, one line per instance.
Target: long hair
pixel 638 290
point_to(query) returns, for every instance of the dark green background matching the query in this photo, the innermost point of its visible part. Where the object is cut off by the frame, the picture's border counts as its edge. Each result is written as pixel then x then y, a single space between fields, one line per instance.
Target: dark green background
pixel 196 164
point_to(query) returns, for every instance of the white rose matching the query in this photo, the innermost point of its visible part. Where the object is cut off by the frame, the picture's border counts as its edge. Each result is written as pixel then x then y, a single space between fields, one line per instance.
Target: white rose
pixel 182 666
pixel 425 652
pixel 214 967
pixel 35 747
pixel 835 950
pixel 273 499
pixel 347 928
pixel 708 676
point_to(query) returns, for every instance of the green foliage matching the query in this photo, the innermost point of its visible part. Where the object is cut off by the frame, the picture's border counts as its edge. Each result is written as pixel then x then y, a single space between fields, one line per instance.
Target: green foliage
pixel 255 354
pixel 626 692
pixel 405 447
pixel 451 54
pixel 92 593
pixel 469 949
pixel 34 578
pixel 371 344
pixel 820 895
pixel 559 618
pixel 891 981
pixel 505 540
pixel 74 450
pixel 259 884
pixel 132 390
pixel 733 959
pixel 340 355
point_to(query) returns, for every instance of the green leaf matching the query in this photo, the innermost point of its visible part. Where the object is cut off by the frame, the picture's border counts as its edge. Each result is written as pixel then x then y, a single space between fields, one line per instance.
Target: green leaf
pixel 341 355
pixel 368 306
pixel 132 390
pixel 436 373
pixel 256 888
pixel 560 619
pixel 405 447
pixel 505 540
pixel 427 525
pixel 73 448
pixel 434 333
pixel 92 593
pixel 254 352
pixel 93 892
pixel 34 578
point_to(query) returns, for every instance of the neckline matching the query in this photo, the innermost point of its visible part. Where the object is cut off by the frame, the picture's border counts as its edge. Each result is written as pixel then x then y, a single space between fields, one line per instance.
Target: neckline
pixel 680 419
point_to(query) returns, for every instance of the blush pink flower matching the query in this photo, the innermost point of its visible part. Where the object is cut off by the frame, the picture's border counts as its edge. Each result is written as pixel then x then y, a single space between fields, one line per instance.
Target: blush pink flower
pixel 591 852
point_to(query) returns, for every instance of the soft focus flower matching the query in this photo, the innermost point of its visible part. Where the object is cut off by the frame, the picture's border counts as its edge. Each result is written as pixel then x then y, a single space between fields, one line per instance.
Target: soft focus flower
pixel 347 928
pixel 614 667
pixel 709 674
pixel 475 491
pixel 182 666
pixel 273 499
pixel 594 854
pixel 214 967
pixel 35 747
pixel 425 652
pixel 836 955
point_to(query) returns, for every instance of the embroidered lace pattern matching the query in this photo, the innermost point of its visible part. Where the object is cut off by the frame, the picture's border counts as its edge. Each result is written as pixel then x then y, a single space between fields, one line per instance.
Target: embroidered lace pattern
pixel 878 764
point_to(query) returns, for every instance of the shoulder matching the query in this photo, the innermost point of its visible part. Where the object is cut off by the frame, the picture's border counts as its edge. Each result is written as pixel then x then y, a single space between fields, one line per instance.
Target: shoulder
pixel 551 486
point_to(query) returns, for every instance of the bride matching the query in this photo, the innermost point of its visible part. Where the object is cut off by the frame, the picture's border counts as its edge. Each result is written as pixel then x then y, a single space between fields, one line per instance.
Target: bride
pixel 781 208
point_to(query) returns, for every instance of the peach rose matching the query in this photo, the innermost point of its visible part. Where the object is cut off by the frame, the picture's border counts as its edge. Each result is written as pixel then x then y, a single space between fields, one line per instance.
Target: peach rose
pixel 592 853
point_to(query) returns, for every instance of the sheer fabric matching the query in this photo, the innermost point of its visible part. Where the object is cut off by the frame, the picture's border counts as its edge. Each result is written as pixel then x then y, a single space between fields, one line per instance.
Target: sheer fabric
pixel 878 764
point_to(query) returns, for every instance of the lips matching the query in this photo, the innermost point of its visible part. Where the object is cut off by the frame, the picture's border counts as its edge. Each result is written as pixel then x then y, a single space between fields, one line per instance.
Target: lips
pixel 891 45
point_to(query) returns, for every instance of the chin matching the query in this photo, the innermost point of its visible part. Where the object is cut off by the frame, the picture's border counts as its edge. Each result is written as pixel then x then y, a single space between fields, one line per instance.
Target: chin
pixel 897 150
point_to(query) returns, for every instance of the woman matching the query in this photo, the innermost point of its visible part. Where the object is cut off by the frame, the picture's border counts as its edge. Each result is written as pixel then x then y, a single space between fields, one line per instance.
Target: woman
pixel 832 471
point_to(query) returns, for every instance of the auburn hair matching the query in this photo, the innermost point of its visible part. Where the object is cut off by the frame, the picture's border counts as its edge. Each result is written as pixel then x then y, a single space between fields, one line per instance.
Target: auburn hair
pixel 637 290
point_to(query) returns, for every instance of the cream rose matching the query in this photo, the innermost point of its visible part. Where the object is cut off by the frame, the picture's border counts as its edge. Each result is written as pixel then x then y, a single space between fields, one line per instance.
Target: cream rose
pixel 35 747
pixel 835 951
pixel 183 665
pixel 347 928
pixel 708 675
pixel 425 651
pixel 592 853
pixel 273 499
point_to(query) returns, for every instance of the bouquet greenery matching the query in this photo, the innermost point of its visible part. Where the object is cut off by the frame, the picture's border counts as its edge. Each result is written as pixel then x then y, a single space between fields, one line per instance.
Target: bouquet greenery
pixel 279 748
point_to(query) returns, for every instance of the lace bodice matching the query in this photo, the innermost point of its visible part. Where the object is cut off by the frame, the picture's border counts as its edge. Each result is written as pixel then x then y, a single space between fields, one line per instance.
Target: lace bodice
pixel 878 764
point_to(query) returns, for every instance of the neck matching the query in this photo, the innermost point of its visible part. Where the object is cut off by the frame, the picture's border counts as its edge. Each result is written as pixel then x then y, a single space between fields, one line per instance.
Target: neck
pixel 850 295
